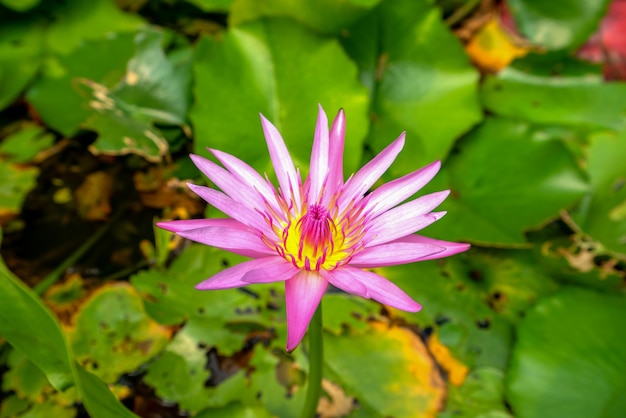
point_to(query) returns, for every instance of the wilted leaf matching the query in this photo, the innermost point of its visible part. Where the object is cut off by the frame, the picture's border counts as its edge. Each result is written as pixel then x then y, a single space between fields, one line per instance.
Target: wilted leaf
pixel 21 311
pixel 388 370
pixel 112 334
pixel 493 48
pixel 93 196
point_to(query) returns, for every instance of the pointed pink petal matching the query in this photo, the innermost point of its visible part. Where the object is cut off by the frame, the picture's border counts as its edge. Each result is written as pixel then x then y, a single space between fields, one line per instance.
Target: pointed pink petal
pixel 344 281
pixel 451 248
pixel 379 288
pixel 397 228
pixel 397 191
pixel 185 224
pixel 370 173
pixel 282 162
pixel 318 167
pixel 302 296
pixel 394 253
pixel 234 209
pixel 239 241
pixel 232 277
pixel 275 272
pixel 335 153
pixel 404 219
pixel 235 189
pixel 246 175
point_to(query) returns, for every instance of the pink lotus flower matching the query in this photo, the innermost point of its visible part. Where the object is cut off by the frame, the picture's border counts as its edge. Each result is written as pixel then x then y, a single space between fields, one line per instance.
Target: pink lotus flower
pixel 323 231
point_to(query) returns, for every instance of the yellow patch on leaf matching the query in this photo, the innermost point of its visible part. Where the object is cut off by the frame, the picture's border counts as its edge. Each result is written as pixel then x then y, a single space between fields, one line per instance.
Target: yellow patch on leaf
pixel 417 361
pixel 493 47
pixel 457 371
pixel 93 196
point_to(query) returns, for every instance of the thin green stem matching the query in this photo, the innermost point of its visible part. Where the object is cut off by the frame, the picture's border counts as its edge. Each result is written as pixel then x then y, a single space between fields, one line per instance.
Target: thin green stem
pixel 316 365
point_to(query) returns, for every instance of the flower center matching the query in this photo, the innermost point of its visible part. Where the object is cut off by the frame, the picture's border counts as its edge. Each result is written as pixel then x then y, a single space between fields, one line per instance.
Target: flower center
pixel 312 241
pixel 315 228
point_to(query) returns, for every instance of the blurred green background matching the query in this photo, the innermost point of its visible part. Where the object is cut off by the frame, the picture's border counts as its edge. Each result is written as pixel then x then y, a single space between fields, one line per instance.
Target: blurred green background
pixel 101 102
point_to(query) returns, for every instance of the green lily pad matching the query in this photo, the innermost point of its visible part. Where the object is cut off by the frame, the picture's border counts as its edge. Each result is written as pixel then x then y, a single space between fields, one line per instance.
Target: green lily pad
pixel 21 52
pixel 495 195
pixel 565 24
pixel 419 77
pixel 327 16
pixel 578 101
pixel 569 360
pixel 235 410
pixel 19 181
pixel 20 5
pixel 24 377
pixel 21 311
pixel 77 21
pixel 282 70
pixel 58 84
pixel 212 5
pixel 472 300
pixel 23 145
pixel 480 396
pixel 113 335
pixel 602 214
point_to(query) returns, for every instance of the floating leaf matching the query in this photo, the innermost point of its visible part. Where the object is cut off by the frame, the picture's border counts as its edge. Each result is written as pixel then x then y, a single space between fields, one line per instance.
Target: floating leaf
pixel 212 5
pixel 23 145
pixel 113 335
pixel 388 370
pixel 77 21
pixel 471 300
pixel 603 212
pixel 495 196
pixel 20 5
pixel 21 311
pixel 419 77
pixel 21 51
pixel 573 101
pixel 262 69
pixel 482 395
pixel 558 25
pixel 325 16
pixel 58 85
pixel 571 346
pixel 13 192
